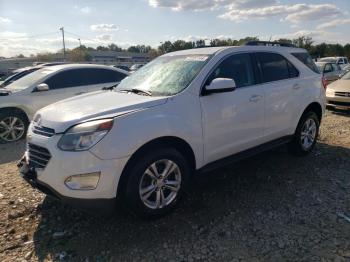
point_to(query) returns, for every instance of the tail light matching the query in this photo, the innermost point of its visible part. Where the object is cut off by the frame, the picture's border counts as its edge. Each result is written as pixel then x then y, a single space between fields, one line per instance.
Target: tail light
pixel 325 82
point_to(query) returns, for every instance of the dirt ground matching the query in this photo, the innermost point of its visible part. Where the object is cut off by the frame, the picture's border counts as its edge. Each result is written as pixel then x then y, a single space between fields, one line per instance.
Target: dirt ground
pixel 273 207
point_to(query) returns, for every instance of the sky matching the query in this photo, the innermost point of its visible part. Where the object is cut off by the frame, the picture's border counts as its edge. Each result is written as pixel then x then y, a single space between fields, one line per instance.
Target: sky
pixel 30 27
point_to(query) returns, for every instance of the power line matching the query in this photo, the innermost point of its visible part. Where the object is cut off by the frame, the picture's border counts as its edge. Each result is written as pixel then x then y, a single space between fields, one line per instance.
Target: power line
pixel 85 38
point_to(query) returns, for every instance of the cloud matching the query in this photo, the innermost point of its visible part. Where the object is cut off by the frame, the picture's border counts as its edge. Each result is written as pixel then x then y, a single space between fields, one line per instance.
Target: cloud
pixel 4 20
pixel 316 35
pixel 104 27
pixel 105 38
pixel 199 5
pixel 241 10
pixel 334 23
pixel 293 13
pixel 86 10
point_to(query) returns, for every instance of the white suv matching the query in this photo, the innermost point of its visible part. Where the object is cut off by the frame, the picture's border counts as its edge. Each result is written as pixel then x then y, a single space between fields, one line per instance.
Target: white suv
pixel 185 111
pixel 21 99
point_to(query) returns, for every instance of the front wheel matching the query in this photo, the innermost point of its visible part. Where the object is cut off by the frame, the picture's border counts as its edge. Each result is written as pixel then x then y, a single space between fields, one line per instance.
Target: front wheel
pixel 156 182
pixel 306 134
pixel 13 126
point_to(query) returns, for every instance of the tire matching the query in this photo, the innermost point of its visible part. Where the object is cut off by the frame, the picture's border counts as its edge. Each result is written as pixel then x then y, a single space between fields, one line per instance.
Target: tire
pixel 13 125
pixel 141 178
pixel 305 136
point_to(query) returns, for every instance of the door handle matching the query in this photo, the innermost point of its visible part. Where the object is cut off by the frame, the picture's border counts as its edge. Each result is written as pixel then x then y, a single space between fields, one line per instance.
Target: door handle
pixel 255 98
pixel 296 86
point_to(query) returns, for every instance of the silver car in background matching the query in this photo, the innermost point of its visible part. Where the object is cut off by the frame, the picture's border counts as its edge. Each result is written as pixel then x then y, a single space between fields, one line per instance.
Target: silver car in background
pixel 330 71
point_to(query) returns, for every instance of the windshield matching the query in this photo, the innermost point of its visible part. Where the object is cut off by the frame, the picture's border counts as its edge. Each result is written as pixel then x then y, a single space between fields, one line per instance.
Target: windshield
pixel 166 75
pixel 28 80
pixel 346 76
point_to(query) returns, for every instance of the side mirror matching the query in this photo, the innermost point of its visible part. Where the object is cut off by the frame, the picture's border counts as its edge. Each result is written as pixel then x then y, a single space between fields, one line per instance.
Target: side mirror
pixel 220 85
pixel 41 87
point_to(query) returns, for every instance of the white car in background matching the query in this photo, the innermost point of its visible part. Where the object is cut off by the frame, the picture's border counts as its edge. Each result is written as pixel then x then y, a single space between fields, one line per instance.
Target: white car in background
pixel 186 111
pixel 341 61
pixel 20 100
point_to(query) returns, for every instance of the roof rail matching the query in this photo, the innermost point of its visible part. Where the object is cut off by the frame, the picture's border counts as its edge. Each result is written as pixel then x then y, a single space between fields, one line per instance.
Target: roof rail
pixel 267 43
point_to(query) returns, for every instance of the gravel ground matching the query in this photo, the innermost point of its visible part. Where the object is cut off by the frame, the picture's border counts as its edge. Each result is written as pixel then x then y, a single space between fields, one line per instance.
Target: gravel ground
pixel 273 207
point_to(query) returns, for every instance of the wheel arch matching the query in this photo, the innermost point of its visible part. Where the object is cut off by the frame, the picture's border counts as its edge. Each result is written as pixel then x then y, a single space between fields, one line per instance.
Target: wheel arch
pixel 314 107
pixel 16 109
pixel 168 141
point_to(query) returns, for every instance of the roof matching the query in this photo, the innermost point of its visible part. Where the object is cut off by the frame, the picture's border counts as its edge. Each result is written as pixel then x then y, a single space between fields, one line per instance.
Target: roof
pixel 213 50
pixel 72 66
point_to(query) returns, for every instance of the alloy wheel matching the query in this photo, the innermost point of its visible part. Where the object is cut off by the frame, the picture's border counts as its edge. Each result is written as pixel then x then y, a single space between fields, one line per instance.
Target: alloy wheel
pixel 160 184
pixel 11 129
pixel 308 133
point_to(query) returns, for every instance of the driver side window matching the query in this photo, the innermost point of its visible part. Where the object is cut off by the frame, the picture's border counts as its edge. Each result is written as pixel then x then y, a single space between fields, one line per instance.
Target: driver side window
pixel 237 67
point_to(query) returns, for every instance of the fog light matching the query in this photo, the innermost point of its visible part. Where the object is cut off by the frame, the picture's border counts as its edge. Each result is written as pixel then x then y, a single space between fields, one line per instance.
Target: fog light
pixel 83 181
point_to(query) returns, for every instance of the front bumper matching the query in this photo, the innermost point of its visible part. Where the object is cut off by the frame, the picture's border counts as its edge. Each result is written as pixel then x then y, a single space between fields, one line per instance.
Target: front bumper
pixel 30 175
pixel 338 102
pixel 51 178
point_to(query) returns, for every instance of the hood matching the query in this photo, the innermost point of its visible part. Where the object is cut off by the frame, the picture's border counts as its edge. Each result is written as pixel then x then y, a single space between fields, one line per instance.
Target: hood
pixel 340 85
pixel 101 104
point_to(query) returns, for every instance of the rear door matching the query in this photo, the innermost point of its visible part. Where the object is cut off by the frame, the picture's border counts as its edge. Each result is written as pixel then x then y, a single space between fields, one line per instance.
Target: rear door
pixel 283 88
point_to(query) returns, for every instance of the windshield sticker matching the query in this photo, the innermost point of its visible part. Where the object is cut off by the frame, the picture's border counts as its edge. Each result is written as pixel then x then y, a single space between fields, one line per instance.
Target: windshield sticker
pixel 196 58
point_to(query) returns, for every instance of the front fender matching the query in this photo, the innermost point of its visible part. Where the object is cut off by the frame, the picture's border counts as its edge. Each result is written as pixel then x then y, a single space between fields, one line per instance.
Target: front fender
pixel 134 130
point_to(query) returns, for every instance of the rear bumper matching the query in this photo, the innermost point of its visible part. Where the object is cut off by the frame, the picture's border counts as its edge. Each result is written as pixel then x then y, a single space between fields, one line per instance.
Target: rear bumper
pixel 29 174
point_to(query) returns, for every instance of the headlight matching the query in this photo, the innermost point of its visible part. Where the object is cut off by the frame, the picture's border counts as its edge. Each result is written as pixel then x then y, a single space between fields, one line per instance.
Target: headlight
pixel 84 136
pixel 330 92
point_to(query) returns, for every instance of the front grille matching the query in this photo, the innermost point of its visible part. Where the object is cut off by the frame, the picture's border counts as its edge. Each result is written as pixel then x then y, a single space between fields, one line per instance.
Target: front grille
pixel 343 94
pixel 43 131
pixel 337 103
pixel 38 156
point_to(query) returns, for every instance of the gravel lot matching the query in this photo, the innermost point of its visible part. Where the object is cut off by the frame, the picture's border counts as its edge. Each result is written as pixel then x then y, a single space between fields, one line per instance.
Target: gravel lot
pixel 273 207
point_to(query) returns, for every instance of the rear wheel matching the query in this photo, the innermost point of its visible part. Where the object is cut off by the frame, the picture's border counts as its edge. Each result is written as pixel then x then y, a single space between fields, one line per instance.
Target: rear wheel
pixel 13 126
pixel 156 182
pixel 306 134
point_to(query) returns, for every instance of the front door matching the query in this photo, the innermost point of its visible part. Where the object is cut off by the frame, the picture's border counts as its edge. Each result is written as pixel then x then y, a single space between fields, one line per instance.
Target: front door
pixel 233 121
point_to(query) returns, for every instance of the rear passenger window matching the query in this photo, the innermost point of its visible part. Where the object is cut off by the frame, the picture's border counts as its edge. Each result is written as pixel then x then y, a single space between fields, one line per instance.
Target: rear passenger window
pixel 100 76
pixel 237 67
pixel 306 59
pixel 275 67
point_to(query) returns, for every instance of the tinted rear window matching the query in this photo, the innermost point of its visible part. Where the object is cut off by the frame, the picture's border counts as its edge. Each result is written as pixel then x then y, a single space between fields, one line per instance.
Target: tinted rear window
pixel 306 59
pixel 275 67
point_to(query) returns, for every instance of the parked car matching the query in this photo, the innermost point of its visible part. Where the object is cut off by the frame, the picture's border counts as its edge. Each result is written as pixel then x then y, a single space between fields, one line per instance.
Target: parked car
pixel 338 93
pixel 187 111
pixel 21 99
pixel 330 71
pixel 135 67
pixel 342 61
pixel 19 73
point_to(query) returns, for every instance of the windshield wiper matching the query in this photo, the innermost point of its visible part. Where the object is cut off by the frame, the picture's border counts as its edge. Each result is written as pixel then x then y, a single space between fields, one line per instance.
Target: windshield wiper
pixel 110 87
pixel 137 91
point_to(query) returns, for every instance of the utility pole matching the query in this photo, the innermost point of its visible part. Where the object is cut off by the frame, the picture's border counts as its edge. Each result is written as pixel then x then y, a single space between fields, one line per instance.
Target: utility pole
pixel 64 44
pixel 79 43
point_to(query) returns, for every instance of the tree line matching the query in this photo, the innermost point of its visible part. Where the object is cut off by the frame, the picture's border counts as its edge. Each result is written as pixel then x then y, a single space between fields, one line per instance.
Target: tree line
pixel 80 54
